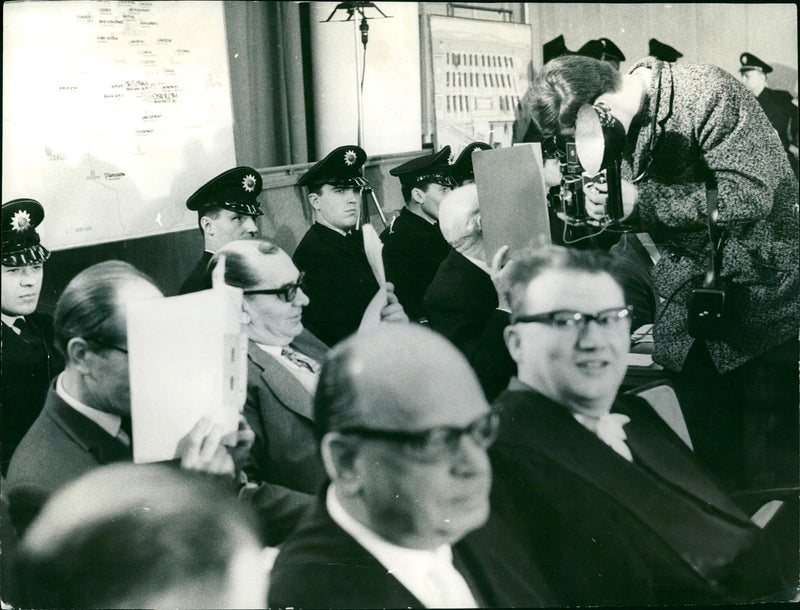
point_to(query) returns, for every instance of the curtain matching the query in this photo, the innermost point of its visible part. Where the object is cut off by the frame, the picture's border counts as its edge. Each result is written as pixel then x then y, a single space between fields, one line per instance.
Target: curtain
pixel 266 66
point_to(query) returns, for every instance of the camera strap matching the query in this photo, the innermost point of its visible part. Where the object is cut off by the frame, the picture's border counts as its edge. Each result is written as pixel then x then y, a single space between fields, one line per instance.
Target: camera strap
pixel 716 237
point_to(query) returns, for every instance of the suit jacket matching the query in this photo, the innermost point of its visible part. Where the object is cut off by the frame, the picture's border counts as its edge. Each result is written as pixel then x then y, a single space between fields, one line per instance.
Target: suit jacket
pixel 339 282
pixel 198 279
pixel 461 304
pixel 413 248
pixel 321 566
pixel 279 409
pixel 29 361
pixel 60 446
pixel 609 532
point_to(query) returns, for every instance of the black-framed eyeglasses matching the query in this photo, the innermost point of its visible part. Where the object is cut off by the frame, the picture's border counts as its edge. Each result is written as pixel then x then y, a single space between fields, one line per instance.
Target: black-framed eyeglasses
pixel 570 320
pixel 285 293
pixel 437 443
pixel 106 344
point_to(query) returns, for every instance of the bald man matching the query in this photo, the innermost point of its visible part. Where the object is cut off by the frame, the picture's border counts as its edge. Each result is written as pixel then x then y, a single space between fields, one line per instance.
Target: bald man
pixel 461 302
pixel 125 536
pixel 403 522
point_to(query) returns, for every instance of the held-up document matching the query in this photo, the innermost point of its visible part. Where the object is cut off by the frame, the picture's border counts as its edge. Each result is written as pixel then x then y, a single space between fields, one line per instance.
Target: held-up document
pixel 512 197
pixel 188 359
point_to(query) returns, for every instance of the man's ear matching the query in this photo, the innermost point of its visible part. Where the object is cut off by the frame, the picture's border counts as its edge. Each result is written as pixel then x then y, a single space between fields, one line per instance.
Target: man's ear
pixel 339 453
pixel 208 225
pixel 79 354
pixel 513 343
pixel 418 195
pixel 313 199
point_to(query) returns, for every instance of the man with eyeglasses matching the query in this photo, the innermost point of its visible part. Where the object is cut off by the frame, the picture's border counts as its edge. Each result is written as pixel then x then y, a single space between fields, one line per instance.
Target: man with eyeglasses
pixel 603 493
pixel 283 360
pixel 403 430
pixel 339 280
pixel 86 420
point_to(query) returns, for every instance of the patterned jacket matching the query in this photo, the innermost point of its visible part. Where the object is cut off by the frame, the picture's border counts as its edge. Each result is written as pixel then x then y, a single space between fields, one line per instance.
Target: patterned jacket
pixel 709 128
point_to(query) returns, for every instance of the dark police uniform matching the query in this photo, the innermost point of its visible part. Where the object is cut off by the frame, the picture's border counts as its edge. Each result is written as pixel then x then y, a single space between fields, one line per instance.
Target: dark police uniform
pixel 29 360
pixel 602 49
pixel 236 190
pixel 777 105
pixel 413 246
pixel 339 281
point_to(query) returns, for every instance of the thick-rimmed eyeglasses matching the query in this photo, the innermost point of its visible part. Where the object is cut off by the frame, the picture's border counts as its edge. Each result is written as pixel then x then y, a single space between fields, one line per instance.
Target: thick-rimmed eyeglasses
pixel 564 319
pixel 106 344
pixel 437 443
pixel 285 293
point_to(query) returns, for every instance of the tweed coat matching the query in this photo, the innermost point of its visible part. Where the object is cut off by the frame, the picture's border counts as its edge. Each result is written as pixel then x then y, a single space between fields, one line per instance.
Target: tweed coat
pixel 339 282
pixel 709 128
pixel 279 409
pixel 606 531
pixel 413 249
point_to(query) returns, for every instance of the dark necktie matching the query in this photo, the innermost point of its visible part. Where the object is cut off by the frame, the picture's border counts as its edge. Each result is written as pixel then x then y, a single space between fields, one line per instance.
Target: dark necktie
pixel 22 326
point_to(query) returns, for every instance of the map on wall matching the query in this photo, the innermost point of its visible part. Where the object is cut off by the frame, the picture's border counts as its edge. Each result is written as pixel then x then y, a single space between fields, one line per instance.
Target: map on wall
pixel 113 114
pixel 480 72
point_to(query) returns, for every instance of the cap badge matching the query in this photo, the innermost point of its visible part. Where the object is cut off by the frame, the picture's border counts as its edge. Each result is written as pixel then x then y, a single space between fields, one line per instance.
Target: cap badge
pixel 350 157
pixel 249 183
pixel 451 159
pixel 20 221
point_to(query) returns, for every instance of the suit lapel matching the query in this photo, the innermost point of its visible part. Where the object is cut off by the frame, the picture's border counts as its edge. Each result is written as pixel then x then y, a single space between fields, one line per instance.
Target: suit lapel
pixel 286 387
pixel 87 434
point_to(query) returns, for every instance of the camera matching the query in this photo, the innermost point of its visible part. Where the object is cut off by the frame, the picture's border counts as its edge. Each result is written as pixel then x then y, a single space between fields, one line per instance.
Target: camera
pixel 568 199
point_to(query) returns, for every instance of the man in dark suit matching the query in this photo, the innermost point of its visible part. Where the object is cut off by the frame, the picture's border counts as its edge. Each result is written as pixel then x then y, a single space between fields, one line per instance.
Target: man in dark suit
pixel 603 493
pixel 85 421
pixel 777 104
pixel 401 524
pixel 461 302
pixel 227 207
pixel 284 360
pixel 338 278
pixel 413 245
pixel 29 360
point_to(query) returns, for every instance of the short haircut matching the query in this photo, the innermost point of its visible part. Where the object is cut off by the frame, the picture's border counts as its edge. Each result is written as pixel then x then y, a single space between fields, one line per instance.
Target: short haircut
pixel 529 263
pixel 89 308
pixel 407 188
pixel 211 211
pixel 336 398
pixel 316 188
pixel 123 534
pixel 242 261
pixel 563 86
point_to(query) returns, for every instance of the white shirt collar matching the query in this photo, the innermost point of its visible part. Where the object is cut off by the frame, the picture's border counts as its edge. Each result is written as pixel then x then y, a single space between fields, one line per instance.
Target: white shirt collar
pixel 107 421
pixel 308 379
pixel 9 321
pixel 409 566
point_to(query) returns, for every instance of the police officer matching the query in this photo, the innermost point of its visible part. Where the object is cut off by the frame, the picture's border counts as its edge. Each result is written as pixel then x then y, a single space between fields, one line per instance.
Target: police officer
pixel 777 104
pixel 603 49
pixel 29 360
pixel 413 244
pixel 338 279
pixel 662 51
pixel 227 207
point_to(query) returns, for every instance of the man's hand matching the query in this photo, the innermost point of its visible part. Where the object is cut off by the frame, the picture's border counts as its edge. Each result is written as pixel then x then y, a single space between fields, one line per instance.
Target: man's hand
pixel 245 437
pixel 499 269
pixel 552 172
pixel 596 194
pixel 201 449
pixel 384 307
pixel 392 311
